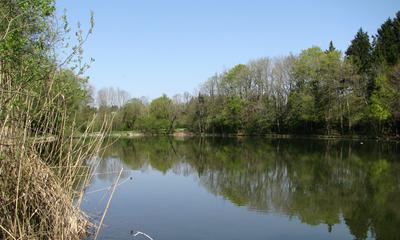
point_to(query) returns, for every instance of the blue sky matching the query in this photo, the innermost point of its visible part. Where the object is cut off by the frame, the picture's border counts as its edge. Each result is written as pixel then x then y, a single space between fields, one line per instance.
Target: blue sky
pixel 151 47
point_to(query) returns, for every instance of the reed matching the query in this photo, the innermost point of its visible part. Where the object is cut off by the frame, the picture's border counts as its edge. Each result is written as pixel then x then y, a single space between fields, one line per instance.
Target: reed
pixel 44 168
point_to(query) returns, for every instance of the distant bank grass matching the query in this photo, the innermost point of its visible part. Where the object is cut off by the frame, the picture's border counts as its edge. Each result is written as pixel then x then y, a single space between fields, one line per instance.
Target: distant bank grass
pixel 43 169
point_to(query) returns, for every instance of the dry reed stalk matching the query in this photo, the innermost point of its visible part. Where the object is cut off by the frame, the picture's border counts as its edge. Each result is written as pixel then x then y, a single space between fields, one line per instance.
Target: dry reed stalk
pixel 40 168
pixel 108 204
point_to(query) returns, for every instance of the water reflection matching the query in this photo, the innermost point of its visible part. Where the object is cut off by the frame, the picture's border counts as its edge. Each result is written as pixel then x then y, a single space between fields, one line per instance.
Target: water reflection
pixel 320 182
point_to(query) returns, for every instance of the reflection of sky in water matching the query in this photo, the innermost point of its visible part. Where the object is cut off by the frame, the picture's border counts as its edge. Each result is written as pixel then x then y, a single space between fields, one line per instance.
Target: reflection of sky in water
pixel 186 199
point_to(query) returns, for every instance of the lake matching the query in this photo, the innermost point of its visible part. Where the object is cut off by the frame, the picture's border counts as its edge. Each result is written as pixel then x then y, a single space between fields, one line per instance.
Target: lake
pixel 248 188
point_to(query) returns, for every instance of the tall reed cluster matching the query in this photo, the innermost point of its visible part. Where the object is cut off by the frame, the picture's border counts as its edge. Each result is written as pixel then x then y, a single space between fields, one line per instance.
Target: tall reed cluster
pixel 43 168
pixel 43 164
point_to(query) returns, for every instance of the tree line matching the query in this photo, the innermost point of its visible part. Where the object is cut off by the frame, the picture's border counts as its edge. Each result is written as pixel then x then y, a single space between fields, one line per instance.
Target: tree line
pixel 315 92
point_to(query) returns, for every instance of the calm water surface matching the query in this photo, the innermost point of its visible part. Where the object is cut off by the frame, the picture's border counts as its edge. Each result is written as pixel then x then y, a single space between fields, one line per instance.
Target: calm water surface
pixel 229 188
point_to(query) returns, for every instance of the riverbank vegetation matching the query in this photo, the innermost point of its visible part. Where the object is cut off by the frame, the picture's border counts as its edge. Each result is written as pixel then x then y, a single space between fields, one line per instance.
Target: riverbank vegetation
pixel 42 167
pixel 45 102
pixel 319 92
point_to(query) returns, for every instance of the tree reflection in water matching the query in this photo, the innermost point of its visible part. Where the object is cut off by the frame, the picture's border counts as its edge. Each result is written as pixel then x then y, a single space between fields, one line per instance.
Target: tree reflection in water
pixel 318 181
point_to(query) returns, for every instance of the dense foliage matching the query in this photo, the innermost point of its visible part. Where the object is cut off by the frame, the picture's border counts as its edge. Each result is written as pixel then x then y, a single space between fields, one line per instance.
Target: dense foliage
pixel 31 40
pixel 317 92
pixel 41 96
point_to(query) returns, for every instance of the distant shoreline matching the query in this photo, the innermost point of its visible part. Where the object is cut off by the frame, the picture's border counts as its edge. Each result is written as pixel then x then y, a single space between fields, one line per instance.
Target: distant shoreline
pixel 187 134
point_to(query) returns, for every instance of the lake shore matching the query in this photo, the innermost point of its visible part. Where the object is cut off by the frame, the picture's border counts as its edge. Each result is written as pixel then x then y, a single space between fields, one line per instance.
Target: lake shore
pixel 188 134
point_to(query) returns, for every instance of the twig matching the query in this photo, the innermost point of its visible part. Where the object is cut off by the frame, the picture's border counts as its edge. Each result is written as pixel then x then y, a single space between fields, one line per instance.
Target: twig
pixel 5 230
pixel 8 28
pixel 107 188
pixel 144 234
pixel 108 204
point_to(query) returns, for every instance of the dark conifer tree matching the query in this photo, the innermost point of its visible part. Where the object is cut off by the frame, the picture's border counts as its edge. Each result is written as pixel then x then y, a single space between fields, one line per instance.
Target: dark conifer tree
pixel 387 42
pixel 359 52
pixel 331 47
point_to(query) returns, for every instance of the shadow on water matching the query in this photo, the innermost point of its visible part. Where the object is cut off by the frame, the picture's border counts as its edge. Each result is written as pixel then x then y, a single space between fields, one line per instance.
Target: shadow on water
pixel 317 181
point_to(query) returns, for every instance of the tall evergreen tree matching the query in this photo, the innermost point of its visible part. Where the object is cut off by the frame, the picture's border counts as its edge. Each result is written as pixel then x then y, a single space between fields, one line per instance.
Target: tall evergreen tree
pixel 331 48
pixel 359 52
pixel 387 42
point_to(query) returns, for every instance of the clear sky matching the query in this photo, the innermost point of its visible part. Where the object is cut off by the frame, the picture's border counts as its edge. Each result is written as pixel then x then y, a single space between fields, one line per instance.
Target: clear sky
pixel 151 47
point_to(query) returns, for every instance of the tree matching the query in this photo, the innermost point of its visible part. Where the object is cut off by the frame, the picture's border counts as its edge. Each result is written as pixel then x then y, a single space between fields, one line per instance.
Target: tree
pixel 319 91
pixel 77 97
pixel 75 90
pixel 387 42
pixel 231 115
pixel 317 75
pixel 385 102
pixel 380 106
pixel 352 97
pixel 236 81
pixel 160 107
pixel 331 48
pixel 39 100
pixel 282 76
pixel 132 112
pixel 196 114
pixel 112 97
pixel 307 97
pixel 359 53
pixel 26 44
pixel 164 114
pixel 302 111
pixel 394 83
pixel 260 74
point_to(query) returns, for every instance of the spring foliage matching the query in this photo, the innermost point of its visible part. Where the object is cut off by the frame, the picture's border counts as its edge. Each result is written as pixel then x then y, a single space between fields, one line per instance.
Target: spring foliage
pixel 316 92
